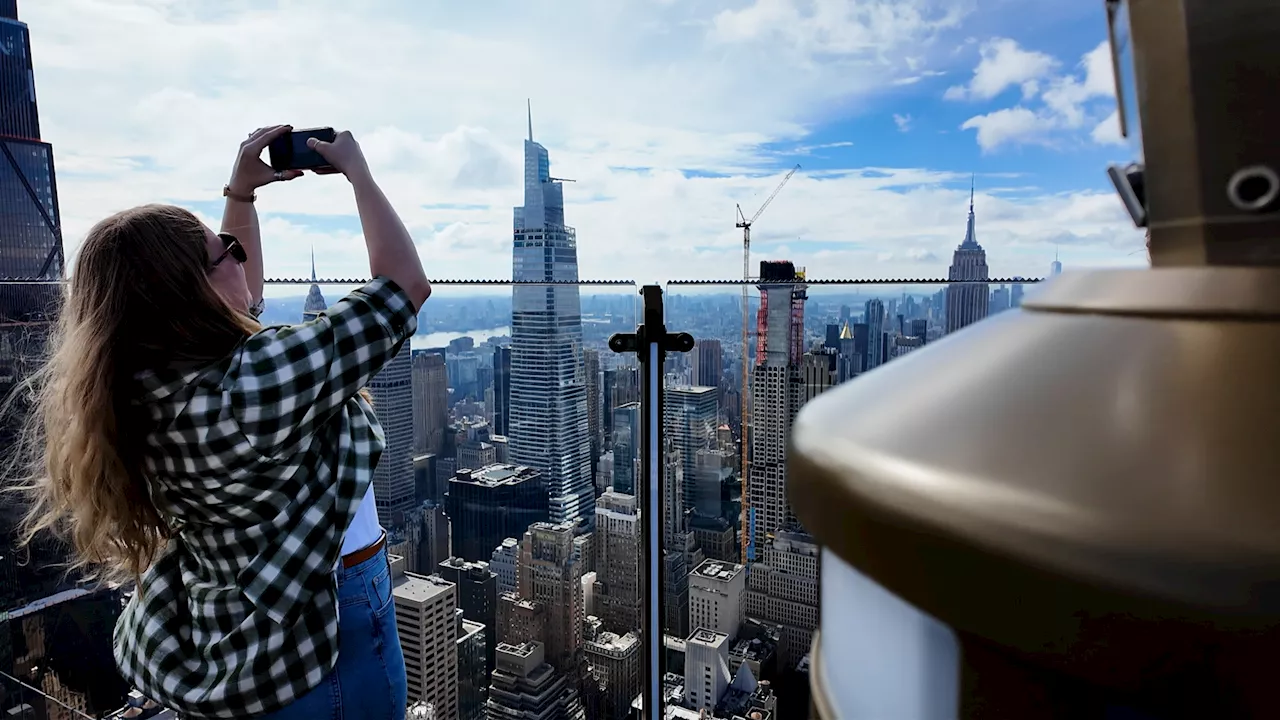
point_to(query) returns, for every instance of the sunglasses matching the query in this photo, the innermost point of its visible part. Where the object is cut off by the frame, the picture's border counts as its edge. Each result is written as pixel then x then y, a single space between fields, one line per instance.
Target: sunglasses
pixel 234 249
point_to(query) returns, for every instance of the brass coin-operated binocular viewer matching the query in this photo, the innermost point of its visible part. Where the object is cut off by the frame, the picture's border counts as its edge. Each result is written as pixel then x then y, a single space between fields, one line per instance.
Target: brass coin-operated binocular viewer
pixel 1072 509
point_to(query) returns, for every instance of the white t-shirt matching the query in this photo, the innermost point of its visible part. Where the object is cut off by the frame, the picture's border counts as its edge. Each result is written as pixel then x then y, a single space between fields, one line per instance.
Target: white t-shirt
pixel 364 529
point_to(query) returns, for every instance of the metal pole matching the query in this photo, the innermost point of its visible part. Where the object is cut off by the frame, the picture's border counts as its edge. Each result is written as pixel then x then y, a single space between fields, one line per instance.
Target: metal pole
pixel 650 343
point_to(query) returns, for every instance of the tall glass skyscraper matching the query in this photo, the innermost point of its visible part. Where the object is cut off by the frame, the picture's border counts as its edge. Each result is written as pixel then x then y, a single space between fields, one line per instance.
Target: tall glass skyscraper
pixel 548 424
pixel 392 390
pixel 30 247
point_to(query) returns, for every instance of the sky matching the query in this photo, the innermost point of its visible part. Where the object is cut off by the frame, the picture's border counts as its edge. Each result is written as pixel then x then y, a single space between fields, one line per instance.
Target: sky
pixel 667 113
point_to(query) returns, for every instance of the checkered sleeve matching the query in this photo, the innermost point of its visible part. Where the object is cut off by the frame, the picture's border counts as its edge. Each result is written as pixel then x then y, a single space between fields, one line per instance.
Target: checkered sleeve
pixel 287 381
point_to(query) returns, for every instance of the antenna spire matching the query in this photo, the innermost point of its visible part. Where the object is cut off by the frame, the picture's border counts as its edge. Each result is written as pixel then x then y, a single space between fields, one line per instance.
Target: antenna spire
pixel 313 263
pixel 529 106
pixel 972 183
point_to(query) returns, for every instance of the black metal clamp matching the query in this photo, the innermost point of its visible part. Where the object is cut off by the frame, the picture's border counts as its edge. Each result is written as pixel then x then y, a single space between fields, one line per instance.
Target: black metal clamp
pixel 651 342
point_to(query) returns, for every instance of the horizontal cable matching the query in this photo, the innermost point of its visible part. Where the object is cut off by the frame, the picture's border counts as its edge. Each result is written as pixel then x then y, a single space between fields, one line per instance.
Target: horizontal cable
pixel 361 281
pixel 619 283
pixel 329 281
pixel 859 281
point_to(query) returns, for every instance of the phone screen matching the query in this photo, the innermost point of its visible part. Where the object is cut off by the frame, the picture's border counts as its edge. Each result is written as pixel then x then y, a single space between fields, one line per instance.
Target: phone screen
pixel 290 151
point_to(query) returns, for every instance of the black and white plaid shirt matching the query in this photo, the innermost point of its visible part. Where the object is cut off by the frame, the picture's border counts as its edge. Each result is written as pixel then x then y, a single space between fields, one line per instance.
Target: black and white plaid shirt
pixel 263 459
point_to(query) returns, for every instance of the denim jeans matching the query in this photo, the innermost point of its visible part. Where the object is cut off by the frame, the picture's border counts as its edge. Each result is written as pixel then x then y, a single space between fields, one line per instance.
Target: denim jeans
pixel 369 681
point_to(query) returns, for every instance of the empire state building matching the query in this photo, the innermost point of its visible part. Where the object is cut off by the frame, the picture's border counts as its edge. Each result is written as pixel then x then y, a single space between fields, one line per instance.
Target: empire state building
pixel 967 302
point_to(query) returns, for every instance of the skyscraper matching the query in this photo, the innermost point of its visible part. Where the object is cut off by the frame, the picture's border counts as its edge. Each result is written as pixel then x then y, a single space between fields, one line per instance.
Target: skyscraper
pixel 477 588
pixel 616 667
pixel 548 575
pixel 626 447
pixel 968 302
pixel 717 597
pixel 617 551
pixel 548 425
pixel 780 329
pixel 707 361
pixel 428 630
pixel 473 669
pixel 501 390
pixel 690 416
pixel 525 685
pixel 315 303
pixel 875 334
pixel 591 372
pixel 488 505
pixel 30 247
pixel 392 390
pixel 783 589
pixel 1015 292
pixel 430 401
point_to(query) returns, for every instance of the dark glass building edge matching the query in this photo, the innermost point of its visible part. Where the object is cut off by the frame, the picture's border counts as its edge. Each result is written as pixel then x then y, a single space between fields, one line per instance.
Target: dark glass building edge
pixel 19 113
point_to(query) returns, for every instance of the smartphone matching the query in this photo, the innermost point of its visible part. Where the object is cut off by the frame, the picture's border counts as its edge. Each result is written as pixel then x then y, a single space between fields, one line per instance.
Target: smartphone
pixel 290 151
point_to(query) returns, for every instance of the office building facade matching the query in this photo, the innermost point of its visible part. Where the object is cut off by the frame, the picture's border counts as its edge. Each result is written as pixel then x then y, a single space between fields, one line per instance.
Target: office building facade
pixel 548 426
pixel 392 390
pixel 488 505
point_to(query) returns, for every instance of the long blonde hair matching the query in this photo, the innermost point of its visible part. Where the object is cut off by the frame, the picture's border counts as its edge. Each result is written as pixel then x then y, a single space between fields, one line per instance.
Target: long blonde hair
pixel 139 298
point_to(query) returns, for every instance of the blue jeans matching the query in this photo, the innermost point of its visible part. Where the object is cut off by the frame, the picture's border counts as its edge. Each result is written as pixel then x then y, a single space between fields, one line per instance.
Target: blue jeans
pixel 369 682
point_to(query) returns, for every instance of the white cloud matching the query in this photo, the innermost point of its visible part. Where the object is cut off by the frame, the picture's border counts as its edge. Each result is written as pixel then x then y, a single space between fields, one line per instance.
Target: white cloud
pixel 808 149
pixel 1003 64
pixel 1107 132
pixel 1067 95
pixel 902 121
pixel 1068 102
pixel 146 100
pixel 1011 125
pixel 860 28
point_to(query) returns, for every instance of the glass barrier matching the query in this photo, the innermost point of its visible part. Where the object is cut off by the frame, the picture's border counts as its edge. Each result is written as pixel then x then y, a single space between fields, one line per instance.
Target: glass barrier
pixel 801 336
pixel 520 439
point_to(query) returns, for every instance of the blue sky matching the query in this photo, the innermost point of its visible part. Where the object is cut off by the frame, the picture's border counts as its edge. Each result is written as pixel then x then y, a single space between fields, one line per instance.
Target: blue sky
pixel 666 112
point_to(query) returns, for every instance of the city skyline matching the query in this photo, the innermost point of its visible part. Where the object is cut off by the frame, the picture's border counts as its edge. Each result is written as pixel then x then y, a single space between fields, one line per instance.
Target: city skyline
pixel 871 200
pixel 562 605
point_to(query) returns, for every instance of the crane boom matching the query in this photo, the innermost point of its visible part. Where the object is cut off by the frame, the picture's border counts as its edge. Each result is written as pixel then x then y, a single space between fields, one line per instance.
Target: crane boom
pixel 744 465
pixel 774 194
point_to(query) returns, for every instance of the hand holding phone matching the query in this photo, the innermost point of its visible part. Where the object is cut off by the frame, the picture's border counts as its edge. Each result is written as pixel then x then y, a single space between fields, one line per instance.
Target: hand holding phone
pixel 291 151
pixel 343 154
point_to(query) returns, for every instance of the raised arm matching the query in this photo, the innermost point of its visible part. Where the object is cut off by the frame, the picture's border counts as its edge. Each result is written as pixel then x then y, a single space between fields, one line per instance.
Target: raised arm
pixel 392 253
pixel 239 216
pixel 286 381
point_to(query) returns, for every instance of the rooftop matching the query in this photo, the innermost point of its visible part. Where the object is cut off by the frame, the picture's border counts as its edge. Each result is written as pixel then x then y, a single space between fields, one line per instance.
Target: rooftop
pixel 421 588
pixel 523 650
pixel 496 474
pixel 469 566
pixel 708 637
pixel 718 570
pixel 691 389
pixel 614 642
pixel 470 628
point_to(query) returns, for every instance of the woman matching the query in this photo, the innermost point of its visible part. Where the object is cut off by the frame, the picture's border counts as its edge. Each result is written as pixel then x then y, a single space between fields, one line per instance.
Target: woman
pixel 227 466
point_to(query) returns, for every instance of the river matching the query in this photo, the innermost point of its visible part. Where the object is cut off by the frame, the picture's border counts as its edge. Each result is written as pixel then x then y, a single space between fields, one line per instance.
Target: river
pixel 441 339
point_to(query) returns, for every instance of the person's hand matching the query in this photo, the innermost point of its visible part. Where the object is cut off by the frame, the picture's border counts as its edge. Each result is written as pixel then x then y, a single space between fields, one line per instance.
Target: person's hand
pixel 250 172
pixel 344 154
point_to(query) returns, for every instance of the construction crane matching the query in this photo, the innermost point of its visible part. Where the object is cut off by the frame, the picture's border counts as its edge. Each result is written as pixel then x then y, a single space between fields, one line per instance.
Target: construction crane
pixel 746 224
